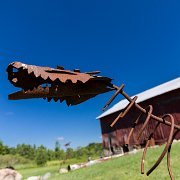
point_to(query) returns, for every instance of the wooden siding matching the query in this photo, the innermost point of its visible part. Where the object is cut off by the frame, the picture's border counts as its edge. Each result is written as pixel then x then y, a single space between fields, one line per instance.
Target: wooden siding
pixel 163 104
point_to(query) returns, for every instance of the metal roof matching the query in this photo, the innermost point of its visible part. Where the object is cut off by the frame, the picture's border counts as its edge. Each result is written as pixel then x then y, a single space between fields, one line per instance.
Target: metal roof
pixel 148 94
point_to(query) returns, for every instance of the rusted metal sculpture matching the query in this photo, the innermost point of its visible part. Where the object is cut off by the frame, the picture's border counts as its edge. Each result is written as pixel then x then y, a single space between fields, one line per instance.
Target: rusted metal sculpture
pixel 58 84
pixel 75 87
pixel 166 119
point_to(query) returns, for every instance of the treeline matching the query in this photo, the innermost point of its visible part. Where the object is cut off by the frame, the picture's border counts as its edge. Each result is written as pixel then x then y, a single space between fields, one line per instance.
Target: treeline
pixel 41 154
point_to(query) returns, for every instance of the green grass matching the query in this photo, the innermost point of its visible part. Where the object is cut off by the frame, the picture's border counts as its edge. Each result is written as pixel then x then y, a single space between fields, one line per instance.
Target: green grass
pixel 126 167
pixel 51 166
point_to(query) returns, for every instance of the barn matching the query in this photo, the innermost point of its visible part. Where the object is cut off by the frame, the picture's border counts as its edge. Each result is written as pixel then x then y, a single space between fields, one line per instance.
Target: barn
pixel 165 98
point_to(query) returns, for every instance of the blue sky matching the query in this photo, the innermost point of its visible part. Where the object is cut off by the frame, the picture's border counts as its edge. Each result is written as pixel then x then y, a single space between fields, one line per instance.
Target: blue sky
pixel 133 42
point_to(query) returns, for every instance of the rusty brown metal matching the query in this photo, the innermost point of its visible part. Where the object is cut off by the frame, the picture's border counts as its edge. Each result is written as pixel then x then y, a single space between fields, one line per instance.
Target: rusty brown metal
pixel 55 83
pixel 166 147
pixel 144 111
pixel 122 114
pixel 146 146
pixel 169 156
pixel 149 115
pixel 75 87
pixel 142 128
pixel 113 97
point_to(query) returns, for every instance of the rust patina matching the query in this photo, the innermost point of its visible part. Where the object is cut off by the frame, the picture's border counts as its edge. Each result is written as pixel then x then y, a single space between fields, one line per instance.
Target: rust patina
pixel 75 87
pixel 55 83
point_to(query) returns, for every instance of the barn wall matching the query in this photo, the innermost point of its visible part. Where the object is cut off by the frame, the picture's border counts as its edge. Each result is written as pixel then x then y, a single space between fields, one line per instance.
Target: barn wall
pixel 163 104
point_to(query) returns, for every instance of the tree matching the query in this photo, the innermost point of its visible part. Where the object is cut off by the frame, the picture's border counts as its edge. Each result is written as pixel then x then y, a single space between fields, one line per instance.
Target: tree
pixel 94 149
pixel 3 149
pixel 69 153
pixel 59 153
pixel 57 146
pixel 51 155
pixel 26 151
pixel 12 150
pixel 81 152
pixel 41 156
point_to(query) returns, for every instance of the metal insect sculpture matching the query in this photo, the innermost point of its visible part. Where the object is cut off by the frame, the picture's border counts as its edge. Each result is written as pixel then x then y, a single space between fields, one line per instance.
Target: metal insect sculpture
pixel 75 87
pixel 167 119
pixel 58 84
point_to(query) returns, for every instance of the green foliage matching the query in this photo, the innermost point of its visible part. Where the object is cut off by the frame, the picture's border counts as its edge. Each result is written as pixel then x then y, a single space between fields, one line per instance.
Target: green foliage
pixel 125 168
pixel 3 149
pixel 81 152
pixel 11 160
pixel 92 150
pixel 69 153
pixel 128 167
pixel 12 151
pixel 41 156
pixel 59 153
pixel 26 151
pixel 95 149
pixel 50 155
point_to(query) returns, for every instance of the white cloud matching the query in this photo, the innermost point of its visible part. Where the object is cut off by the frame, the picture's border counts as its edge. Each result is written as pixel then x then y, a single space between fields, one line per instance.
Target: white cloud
pixel 61 138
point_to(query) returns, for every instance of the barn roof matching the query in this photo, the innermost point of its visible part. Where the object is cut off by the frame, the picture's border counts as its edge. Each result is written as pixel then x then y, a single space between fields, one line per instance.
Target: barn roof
pixel 148 94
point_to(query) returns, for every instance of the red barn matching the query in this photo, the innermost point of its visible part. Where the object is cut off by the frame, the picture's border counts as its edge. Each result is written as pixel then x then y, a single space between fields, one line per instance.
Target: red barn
pixel 164 98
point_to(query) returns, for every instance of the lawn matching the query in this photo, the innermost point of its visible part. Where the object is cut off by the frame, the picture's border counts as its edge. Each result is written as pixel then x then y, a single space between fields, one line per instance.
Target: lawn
pixel 126 167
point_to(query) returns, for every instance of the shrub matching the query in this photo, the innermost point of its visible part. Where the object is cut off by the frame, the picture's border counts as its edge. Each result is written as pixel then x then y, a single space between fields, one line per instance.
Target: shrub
pixel 11 160
pixel 41 156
